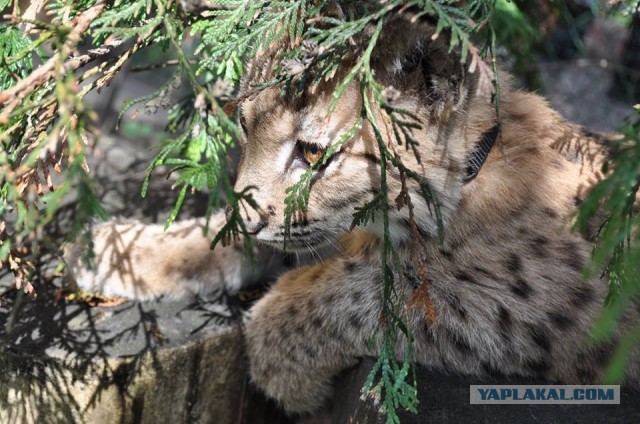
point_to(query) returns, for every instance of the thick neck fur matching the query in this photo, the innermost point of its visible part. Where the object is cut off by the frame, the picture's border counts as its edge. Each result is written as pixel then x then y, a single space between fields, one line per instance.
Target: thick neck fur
pixel 524 177
pixel 521 172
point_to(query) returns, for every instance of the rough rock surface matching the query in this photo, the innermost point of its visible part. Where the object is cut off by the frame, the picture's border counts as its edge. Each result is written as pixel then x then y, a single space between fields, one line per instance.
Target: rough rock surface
pixel 131 363
pixel 445 399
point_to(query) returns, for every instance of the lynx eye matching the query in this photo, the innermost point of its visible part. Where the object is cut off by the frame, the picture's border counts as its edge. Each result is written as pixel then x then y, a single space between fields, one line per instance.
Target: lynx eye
pixel 311 152
pixel 243 123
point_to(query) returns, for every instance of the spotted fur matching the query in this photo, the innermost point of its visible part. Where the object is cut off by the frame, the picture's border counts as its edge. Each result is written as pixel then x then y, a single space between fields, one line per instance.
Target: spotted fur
pixel 506 284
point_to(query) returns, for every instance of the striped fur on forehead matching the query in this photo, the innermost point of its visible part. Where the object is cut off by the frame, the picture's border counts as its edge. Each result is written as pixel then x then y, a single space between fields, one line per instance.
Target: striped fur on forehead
pixel 257 103
pixel 407 57
pixel 259 70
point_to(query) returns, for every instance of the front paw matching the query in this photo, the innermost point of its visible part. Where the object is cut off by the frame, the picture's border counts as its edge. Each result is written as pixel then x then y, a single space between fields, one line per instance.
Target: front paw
pixel 143 262
pixel 278 368
pixel 294 352
pixel 113 259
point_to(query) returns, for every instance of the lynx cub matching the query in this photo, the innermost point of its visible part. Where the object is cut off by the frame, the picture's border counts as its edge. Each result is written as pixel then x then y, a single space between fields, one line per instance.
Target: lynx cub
pixel 506 286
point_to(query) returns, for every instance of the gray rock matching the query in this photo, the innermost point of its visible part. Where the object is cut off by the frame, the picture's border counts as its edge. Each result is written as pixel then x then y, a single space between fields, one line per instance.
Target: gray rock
pixel 445 399
pixel 121 157
pixel 143 363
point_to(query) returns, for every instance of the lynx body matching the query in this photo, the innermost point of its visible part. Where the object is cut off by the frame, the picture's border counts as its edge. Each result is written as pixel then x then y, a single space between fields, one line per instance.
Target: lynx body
pixel 505 288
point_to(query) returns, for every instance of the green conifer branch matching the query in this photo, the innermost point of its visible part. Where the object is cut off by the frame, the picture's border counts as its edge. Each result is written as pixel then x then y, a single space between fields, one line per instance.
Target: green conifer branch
pixel 45 126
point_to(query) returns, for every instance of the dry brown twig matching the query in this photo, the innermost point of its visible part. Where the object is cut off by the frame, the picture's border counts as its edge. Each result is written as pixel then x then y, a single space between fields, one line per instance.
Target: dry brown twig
pixel 201 7
pixel 421 296
pixel 12 97
pixel 31 13
pixel 172 62
pixel 486 75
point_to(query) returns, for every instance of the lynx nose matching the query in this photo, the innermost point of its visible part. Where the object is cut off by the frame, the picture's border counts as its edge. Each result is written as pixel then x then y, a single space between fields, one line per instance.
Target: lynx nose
pixel 253 221
pixel 254 227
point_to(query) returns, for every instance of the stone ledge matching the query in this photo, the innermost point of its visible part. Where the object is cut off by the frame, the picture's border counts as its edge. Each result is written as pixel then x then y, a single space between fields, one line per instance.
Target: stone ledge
pixel 180 362
pixel 445 399
pixel 133 363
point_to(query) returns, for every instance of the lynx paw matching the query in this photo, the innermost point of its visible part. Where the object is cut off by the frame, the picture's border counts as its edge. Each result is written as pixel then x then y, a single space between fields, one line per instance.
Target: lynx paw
pixel 138 261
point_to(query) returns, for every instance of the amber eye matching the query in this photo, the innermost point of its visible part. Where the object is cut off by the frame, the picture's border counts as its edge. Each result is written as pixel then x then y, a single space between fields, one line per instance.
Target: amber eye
pixel 311 153
pixel 243 123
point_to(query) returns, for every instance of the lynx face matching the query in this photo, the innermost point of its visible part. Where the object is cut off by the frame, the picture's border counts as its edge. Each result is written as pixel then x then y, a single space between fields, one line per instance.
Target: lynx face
pixel 285 134
pixel 282 141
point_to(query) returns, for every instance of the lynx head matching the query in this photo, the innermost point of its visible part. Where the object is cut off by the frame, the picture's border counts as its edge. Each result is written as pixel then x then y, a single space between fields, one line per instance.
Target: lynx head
pixel 285 134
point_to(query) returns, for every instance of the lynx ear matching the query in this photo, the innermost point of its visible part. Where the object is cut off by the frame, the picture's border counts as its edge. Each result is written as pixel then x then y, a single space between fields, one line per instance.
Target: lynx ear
pixel 410 57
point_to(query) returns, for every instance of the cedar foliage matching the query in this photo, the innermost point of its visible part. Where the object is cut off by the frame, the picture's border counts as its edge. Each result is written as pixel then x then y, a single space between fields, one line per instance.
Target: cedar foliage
pixel 51 58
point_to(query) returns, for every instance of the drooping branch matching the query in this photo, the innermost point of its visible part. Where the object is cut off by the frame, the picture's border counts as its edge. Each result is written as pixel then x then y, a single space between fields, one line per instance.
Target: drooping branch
pixel 12 97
